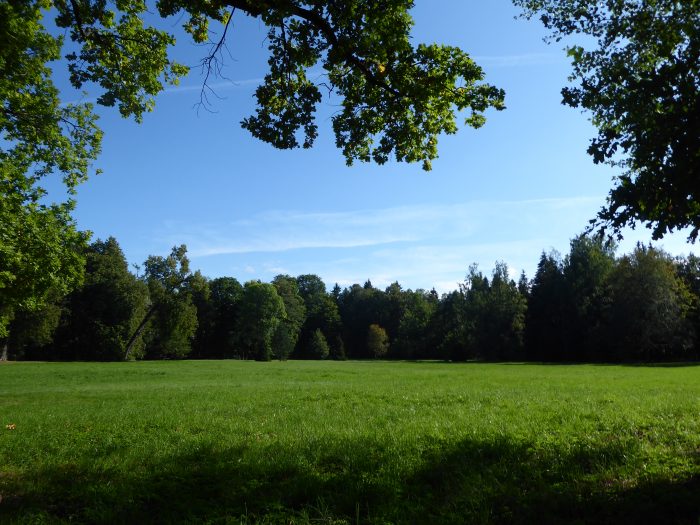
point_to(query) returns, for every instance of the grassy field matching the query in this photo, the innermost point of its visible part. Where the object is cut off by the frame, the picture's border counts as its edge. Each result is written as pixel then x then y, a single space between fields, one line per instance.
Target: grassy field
pixel 348 442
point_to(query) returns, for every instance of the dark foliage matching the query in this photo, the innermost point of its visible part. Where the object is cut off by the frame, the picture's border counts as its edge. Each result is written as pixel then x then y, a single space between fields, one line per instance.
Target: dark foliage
pixel 589 306
pixel 495 481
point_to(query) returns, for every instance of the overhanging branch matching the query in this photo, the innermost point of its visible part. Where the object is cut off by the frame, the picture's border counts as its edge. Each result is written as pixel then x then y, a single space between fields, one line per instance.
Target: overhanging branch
pixel 343 47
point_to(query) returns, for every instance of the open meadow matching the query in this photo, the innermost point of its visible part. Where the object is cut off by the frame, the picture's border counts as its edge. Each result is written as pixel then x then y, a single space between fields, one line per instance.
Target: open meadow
pixel 348 442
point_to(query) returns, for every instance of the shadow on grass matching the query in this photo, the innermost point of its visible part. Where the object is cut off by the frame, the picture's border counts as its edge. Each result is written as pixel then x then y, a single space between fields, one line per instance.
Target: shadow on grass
pixel 497 481
pixel 679 364
pixel 503 482
pixel 637 364
pixel 669 364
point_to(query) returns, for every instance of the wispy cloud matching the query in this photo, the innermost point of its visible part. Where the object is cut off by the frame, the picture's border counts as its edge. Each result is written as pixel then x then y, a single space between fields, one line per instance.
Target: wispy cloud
pixel 526 59
pixel 225 84
pixel 438 265
pixel 283 231
pixel 217 86
pixel 421 246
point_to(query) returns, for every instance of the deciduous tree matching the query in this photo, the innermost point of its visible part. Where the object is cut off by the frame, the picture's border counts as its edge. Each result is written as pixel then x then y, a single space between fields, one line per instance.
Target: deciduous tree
pixel 106 310
pixel 288 289
pixel 41 253
pixel 377 341
pixel 32 332
pixel 173 315
pixel 40 248
pixel 225 307
pixel 321 314
pixel 412 340
pixel 261 311
pixel 637 71
pixel 649 314
pixel 396 98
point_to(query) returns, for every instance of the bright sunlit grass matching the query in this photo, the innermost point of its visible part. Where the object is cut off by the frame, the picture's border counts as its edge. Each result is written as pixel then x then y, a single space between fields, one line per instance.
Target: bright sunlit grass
pixel 348 442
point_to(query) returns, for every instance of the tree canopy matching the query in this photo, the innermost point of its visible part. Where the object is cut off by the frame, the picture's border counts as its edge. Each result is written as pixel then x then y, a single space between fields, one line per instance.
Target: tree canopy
pixel 640 84
pixel 262 310
pixel 396 98
pixel 106 309
pixel 40 248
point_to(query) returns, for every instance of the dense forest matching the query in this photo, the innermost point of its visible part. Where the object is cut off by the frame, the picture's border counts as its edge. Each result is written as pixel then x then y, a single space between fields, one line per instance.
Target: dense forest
pixel 589 305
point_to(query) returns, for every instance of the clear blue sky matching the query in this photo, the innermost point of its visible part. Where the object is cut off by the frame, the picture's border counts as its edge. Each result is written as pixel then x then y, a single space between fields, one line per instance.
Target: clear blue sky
pixel 521 184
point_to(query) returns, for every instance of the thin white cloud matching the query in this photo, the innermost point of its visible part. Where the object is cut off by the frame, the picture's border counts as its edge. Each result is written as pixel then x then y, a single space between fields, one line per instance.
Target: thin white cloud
pixel 218 86
pixel 421 246
pixel 675 244
pixel 432 265
pixel 444 265
pixel 284 231
pixel 225 84
pixel 526 59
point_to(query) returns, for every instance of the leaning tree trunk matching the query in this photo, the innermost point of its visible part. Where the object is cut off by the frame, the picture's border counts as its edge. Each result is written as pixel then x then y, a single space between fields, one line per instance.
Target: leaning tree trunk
pixel 135 336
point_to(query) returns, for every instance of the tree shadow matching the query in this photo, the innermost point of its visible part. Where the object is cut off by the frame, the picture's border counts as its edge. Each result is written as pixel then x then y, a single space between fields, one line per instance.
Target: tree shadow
pixel 355 481
pixel 507 482
pixel 669 364
pixel 679 364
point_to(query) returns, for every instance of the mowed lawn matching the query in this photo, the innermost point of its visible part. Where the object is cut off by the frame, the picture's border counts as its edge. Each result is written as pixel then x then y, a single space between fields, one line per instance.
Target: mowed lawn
pixel 348 442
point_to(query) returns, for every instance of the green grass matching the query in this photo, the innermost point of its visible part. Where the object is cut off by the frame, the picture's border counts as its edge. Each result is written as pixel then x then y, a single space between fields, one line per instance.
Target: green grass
pixel 348 442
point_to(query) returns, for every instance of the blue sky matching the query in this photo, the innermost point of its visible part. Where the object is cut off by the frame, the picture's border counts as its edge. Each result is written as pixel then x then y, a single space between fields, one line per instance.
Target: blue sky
pixel 521 184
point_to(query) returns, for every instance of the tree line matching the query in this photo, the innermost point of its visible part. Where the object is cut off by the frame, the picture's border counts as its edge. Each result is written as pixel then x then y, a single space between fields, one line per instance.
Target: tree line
pixel 587 306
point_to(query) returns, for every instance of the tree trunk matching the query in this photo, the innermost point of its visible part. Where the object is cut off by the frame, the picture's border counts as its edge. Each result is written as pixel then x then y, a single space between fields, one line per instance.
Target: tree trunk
pixel 3 355
pixel 137 333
